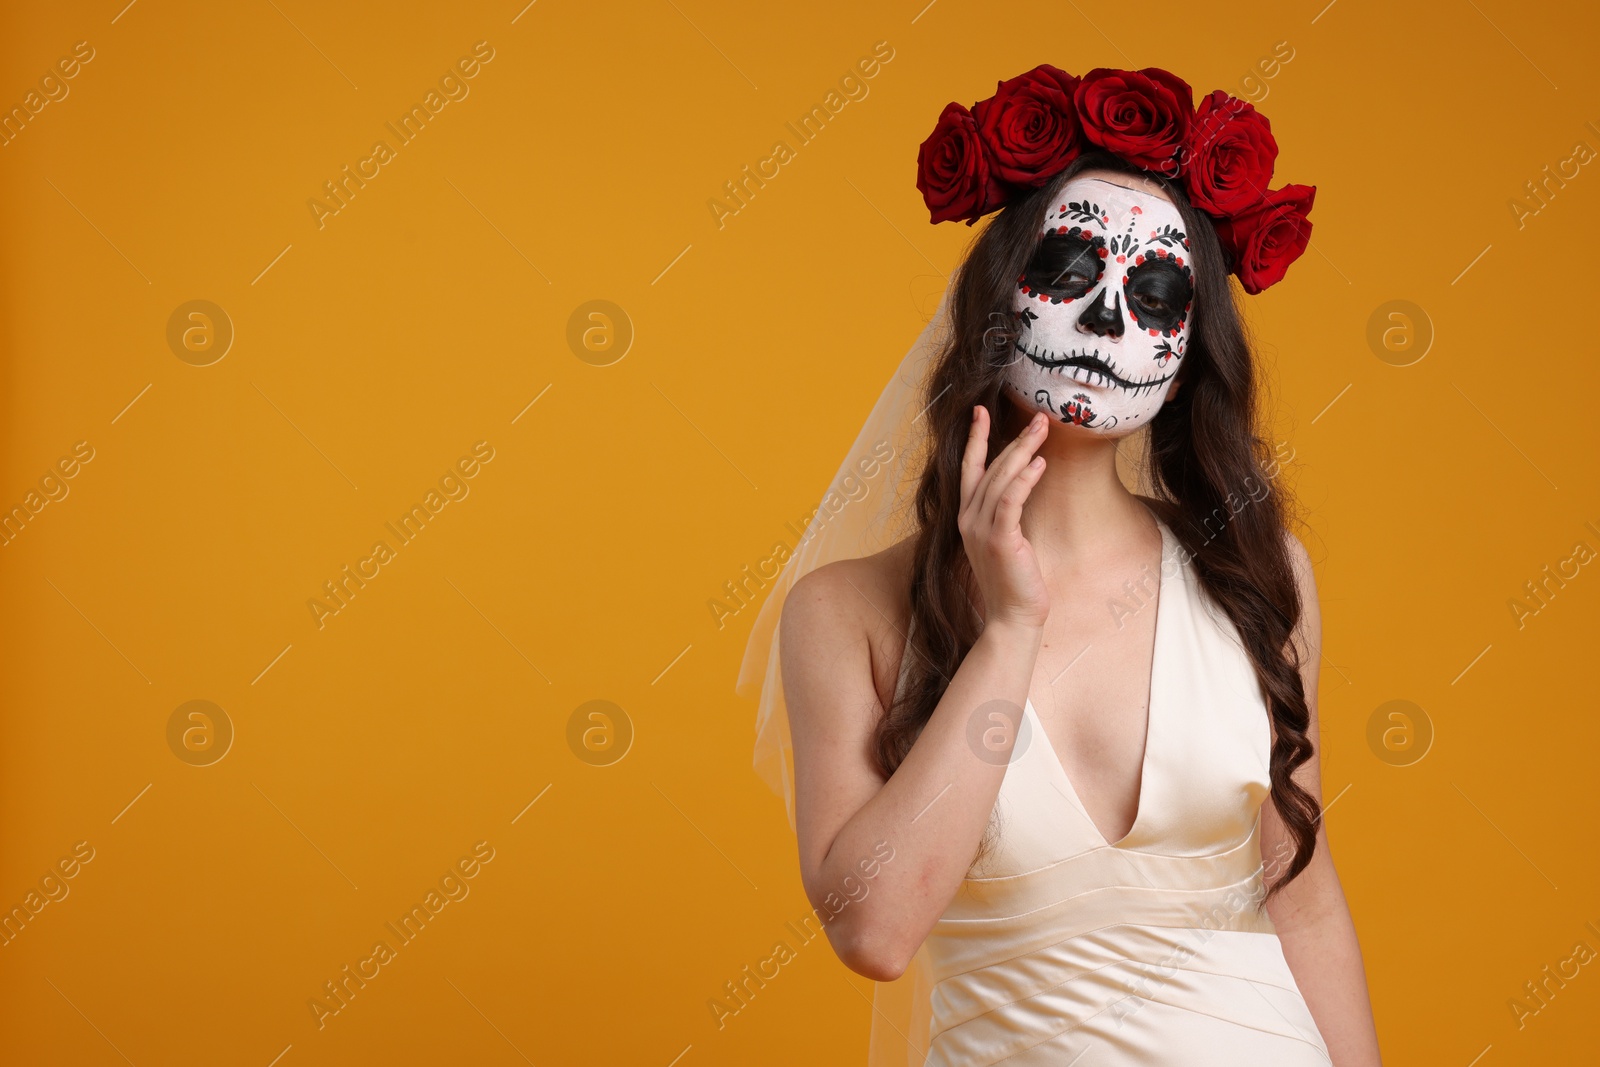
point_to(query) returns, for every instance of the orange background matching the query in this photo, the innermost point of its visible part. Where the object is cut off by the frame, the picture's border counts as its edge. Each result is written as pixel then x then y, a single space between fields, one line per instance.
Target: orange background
pixel 371 353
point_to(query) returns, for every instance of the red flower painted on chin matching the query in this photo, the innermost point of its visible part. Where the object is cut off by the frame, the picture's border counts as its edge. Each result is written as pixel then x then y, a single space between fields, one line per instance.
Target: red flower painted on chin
pixel 1077 412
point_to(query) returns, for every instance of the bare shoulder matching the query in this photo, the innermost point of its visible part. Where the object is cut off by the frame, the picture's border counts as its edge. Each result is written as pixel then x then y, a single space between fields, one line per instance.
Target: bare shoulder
pixel 1308 631
pixel 1297 554
pixel 1304 576
pixel 845 623
pixel 853 587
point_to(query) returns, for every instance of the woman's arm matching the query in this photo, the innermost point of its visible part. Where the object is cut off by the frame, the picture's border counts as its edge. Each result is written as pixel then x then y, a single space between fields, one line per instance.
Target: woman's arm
pixel 1310 913
pixel 932 811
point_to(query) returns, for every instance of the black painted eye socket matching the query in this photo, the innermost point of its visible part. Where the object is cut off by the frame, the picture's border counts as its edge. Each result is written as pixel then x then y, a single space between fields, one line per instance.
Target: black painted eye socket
pixel 1158 293
pixel 1066 266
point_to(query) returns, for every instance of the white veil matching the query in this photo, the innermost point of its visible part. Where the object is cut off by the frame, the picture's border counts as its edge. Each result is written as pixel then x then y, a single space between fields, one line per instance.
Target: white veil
pixel 850 523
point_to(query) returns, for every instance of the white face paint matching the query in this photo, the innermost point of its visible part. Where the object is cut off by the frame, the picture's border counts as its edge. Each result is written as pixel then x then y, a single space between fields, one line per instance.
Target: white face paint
pixel 1105 305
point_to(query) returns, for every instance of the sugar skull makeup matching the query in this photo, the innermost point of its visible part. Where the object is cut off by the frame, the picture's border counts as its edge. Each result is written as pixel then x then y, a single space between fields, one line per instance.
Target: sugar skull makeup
pixel 1104 306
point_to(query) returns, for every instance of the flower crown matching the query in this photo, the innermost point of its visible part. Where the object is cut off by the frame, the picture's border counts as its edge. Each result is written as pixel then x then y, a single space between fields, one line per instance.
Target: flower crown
pixel 977 161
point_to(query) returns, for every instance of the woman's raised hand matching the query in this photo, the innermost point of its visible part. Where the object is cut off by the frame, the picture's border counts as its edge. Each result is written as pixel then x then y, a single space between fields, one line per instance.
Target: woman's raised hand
pixel 1003 562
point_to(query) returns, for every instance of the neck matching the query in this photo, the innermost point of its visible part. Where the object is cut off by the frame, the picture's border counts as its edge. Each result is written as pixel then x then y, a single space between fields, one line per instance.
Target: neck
pixel 1080 511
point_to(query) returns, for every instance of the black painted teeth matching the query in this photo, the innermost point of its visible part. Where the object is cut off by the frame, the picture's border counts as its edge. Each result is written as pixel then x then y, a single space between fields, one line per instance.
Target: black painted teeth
pixel 1090 370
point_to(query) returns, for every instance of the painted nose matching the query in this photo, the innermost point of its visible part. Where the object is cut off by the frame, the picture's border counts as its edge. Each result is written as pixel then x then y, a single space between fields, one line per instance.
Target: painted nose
pixel 1103 320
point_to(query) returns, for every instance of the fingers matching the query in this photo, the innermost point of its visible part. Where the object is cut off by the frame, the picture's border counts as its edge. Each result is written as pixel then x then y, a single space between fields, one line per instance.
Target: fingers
pixel 976 451
pixel 1008 507
pixel 1012 459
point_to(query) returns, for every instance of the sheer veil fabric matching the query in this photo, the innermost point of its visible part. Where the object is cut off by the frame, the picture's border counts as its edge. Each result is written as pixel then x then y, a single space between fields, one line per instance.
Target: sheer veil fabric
pixel 850 524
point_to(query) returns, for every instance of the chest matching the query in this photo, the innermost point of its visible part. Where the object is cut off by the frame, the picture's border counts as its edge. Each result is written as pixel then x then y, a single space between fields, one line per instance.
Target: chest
pixel 1084 782
pixel 1091 692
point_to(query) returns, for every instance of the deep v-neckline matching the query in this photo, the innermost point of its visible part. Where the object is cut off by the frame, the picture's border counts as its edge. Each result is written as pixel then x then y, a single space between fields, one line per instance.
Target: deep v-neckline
pixel 1150 712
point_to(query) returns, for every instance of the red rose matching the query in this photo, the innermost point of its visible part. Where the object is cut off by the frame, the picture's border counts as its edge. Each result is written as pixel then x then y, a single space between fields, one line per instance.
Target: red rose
pixel 1141 115
pixel 1261 243
pixel 1228 156
pixel 1030 125
pixel 953 171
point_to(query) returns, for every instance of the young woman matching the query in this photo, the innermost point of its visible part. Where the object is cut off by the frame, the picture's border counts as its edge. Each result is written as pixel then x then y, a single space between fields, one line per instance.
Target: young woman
pixel 1081 722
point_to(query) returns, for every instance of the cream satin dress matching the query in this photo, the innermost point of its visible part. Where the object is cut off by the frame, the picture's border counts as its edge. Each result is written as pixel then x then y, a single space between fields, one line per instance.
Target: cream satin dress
pixel 1062 948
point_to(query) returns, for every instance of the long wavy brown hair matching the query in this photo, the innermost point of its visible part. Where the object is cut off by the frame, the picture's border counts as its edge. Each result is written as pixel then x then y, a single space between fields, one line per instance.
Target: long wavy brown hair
pixel 1203 451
